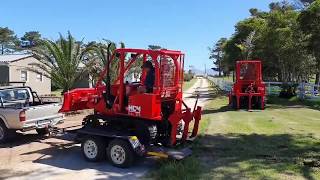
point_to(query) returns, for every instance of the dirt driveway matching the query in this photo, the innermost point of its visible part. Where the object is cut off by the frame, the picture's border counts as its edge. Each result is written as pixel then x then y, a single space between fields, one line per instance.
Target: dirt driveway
pixel 33 157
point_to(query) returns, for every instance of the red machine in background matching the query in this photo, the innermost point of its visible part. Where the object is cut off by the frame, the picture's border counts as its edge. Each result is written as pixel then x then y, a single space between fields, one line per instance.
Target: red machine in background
pixel 249 89
pixel 127 122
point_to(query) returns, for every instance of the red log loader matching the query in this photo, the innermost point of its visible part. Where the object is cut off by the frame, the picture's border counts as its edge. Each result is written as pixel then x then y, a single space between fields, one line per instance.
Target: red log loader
pixel 249 89
pixel 126 122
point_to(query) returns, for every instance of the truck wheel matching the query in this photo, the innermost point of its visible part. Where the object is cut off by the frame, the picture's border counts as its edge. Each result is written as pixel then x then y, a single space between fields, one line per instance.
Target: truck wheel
pixel 120 153
pixel 42 131
pixel 93 148
pixel 5 133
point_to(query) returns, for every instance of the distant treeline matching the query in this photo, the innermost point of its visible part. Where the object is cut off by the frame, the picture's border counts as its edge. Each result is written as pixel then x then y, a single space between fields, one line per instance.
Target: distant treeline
pixel 286 39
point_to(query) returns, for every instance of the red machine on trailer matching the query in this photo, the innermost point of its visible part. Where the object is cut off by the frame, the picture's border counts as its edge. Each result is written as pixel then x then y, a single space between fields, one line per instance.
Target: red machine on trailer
pixel 249 89
pixel 126 122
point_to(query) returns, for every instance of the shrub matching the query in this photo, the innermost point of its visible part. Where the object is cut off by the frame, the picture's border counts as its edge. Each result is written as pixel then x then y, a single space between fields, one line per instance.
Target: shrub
pixel 288 91
pixel 188 76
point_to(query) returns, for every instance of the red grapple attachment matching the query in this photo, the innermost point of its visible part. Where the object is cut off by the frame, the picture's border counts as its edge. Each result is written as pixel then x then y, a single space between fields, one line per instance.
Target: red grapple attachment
pixel 186 116
pixel 249 89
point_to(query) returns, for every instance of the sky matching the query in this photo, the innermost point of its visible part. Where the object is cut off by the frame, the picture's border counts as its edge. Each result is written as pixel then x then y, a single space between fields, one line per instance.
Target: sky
pixel 187 25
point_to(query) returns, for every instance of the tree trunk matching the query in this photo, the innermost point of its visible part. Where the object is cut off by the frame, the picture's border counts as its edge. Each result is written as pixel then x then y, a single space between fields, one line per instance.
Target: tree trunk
pixel 233 76
pixel 318 71
pixel 279 77
pixel 219 64
pixel 2 49
pixel 317 78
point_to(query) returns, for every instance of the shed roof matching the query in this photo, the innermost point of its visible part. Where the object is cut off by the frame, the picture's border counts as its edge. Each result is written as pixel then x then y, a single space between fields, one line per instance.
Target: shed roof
pixel 13 57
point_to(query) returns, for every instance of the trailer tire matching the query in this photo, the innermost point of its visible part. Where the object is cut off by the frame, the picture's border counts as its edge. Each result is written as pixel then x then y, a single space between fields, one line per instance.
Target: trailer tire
pixel 93 148
pixel 120 153
pixel 233 102
pixel 43 131
pixel 5 133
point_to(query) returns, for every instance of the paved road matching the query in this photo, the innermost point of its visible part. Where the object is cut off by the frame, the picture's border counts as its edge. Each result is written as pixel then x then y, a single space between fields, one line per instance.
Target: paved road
pixel 33 157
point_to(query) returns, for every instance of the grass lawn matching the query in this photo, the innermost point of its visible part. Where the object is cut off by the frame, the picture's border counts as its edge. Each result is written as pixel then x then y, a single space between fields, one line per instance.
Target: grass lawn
pixel 189 84
pixel 281 142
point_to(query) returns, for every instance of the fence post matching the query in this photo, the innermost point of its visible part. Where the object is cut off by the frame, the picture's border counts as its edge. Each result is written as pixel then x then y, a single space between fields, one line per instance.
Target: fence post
pixel 269 88
pixel 313 91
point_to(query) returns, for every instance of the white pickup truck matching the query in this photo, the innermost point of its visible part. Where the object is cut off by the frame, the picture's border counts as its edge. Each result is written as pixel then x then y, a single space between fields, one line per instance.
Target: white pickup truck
pixel 22 109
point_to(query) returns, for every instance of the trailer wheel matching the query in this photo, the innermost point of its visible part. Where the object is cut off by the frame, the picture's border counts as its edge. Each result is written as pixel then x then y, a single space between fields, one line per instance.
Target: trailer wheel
pixel 93 148
pixel 5 133
pixel 120 153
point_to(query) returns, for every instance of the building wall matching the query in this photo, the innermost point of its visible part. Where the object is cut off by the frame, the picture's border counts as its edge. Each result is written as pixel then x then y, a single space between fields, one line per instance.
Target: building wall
pixel 83 83
pixel 4 74
pixel 41 87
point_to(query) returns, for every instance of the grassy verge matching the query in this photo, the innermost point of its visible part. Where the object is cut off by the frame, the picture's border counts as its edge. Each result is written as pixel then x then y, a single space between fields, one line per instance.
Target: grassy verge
pixel 57 93
pixel 294 101
pixel 189 84
pixel 226 78
pixel 281 142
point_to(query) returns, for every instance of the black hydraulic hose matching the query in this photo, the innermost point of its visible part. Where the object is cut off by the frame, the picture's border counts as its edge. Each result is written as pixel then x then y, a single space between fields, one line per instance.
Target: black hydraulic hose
pixel 108 72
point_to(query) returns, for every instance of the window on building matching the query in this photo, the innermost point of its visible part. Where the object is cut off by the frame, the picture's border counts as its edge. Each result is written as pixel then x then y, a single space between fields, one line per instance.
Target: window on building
pixel 39 77
pixel 24 76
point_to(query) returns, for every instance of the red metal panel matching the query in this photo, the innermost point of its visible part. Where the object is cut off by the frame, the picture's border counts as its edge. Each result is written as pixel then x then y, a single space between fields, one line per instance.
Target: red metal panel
pixel 145 106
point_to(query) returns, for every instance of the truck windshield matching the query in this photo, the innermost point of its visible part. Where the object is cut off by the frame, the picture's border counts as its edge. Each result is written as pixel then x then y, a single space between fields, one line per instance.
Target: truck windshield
pixel 11 95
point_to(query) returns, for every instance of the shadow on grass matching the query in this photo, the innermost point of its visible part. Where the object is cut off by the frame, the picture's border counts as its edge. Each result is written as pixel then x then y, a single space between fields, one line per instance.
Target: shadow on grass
pixel 275 102
pixel 237 156
pixel 221 109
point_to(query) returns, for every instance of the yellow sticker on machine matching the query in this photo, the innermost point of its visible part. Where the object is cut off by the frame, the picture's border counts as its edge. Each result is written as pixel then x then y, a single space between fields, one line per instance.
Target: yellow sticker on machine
pixel 158 154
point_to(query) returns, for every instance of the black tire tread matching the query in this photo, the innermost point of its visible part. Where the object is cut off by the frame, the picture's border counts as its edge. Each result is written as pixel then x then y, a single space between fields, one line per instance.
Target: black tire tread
pixel 43 131
pixel 130 155
pixel 9 134
pixel 101 144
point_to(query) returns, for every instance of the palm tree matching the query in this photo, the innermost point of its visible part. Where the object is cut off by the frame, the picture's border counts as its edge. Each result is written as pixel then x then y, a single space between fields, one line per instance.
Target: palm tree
pixel 99 54
pixel 62 61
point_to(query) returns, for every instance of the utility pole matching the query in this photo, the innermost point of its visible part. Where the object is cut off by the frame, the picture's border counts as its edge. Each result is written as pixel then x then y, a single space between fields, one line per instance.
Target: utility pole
pixel 205 70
